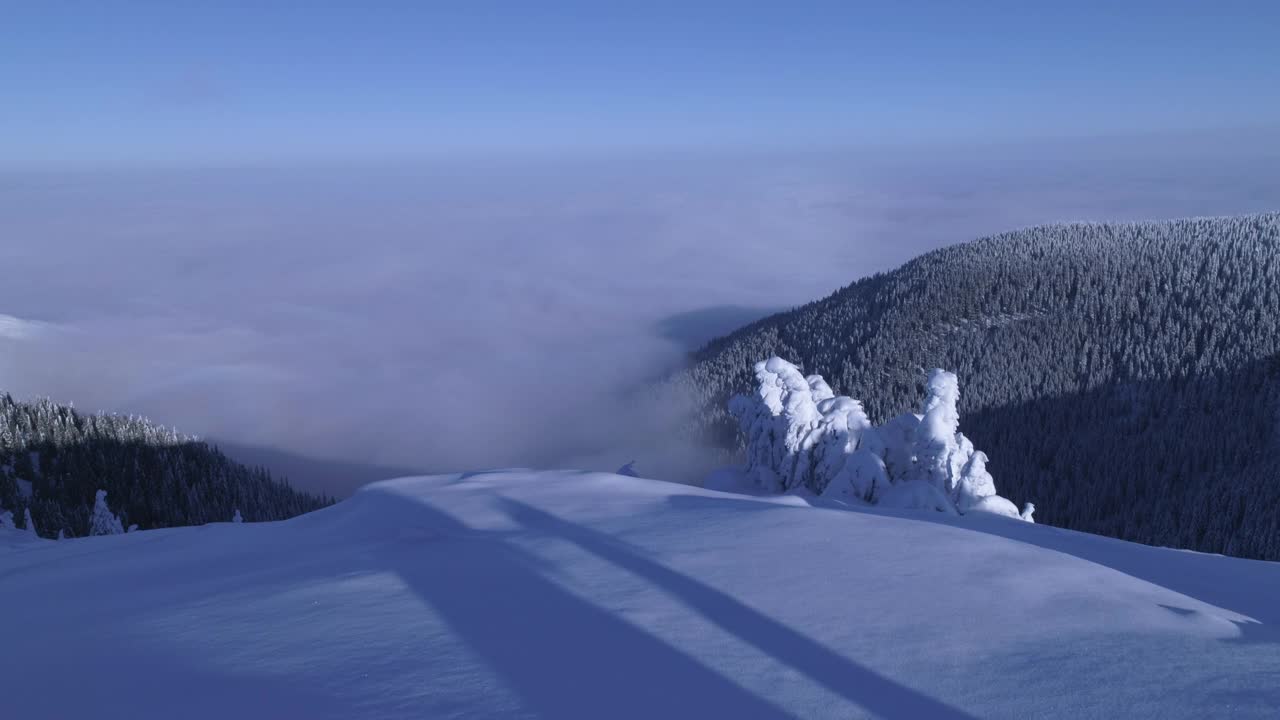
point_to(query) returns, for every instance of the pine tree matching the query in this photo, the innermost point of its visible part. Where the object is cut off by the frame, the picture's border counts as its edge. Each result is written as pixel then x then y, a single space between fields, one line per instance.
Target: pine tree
pixel 103 522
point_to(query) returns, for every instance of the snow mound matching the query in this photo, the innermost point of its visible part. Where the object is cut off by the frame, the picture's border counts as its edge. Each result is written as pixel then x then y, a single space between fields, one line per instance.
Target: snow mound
pixel 521 594
pixel 800 434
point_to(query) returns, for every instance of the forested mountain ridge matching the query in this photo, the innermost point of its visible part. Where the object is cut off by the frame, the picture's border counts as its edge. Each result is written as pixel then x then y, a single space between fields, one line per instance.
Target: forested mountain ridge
pixel 1124 377
pixel 53 460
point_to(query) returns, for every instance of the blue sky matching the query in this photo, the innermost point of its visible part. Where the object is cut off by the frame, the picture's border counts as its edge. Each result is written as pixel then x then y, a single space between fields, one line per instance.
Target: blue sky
pixel 115 82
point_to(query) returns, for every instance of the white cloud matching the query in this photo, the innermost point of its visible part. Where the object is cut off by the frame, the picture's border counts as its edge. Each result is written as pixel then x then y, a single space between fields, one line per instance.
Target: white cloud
pixel 15 328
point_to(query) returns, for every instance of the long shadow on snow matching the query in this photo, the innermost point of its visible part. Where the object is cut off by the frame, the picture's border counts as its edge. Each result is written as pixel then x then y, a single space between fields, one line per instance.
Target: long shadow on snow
pixel 1211 579
pixel 872 691
pixel 564 657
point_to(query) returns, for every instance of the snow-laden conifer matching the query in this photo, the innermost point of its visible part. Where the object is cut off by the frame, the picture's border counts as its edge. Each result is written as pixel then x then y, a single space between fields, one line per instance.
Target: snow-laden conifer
pixel 801 435
pixel 102 521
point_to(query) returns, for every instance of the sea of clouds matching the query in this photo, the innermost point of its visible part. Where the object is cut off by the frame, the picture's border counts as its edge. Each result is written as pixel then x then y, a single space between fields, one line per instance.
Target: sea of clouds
pixel 456 314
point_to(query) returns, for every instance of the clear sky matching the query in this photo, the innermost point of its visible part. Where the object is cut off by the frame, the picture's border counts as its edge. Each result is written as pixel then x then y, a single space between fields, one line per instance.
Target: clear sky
pixel 114 82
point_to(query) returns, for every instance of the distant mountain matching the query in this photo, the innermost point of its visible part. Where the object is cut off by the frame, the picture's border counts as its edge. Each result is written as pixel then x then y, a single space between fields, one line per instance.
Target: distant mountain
pixel 53 460
pixel 1124 377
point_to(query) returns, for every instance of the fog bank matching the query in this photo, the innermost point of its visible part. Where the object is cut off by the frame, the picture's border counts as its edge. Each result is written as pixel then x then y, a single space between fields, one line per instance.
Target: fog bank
pixel 455 315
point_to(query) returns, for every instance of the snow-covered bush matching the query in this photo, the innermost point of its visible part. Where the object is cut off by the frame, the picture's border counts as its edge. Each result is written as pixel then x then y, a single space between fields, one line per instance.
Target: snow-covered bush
pixel 237 518
pixel 799 434
pixel 103 522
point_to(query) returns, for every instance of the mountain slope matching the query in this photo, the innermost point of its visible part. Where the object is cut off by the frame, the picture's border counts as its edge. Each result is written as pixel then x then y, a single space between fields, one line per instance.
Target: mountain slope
pixel 574 595
pixel 1121 376
pixel 53 460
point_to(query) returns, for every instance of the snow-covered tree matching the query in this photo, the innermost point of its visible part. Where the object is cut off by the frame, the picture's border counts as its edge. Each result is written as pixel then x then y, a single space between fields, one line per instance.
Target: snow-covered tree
pixel 237 518
pixel 863 477
pixel 946 459
pixel 6 520
pixel 799 434
pixel 102 521
pixel 31 524
pixel 936 445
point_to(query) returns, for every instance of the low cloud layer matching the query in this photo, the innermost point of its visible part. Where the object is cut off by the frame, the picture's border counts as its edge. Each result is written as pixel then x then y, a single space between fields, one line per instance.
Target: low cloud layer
pixel 467 315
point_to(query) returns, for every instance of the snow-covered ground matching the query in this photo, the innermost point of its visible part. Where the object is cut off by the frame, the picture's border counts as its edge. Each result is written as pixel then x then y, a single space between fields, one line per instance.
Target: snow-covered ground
pixel 575 595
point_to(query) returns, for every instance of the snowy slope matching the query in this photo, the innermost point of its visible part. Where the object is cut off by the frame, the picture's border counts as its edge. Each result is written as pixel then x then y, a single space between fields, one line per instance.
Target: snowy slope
pixel 574 595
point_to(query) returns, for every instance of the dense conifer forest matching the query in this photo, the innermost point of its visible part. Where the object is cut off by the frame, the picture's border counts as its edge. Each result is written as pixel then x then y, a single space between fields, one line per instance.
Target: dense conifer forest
pixel 53 460
pixel 1123 377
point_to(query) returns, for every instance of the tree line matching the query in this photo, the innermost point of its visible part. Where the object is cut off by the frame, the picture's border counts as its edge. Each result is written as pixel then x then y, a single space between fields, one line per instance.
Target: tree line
pixel 55 460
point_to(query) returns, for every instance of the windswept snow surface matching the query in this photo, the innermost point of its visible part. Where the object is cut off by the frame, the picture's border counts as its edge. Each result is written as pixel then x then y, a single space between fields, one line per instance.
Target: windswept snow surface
pixel 576 595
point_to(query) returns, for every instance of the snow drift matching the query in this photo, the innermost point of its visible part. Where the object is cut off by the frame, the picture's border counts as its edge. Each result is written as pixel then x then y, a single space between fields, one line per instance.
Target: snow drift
pixel 800 434
pixel 518 594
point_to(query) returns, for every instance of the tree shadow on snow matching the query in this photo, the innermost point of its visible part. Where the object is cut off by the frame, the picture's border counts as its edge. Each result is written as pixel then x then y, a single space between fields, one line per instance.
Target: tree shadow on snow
pixel 566 657
pixel 836 673
pixel 563 656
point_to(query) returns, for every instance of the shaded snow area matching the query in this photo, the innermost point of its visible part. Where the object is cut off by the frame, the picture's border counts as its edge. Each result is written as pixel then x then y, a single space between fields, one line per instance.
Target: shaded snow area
pixel 574 595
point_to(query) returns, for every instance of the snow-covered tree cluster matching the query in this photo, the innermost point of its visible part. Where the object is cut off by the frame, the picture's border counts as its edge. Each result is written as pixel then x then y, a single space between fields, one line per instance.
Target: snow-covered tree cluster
pixel 54 461
pixel 800 434
pixel 1127 375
